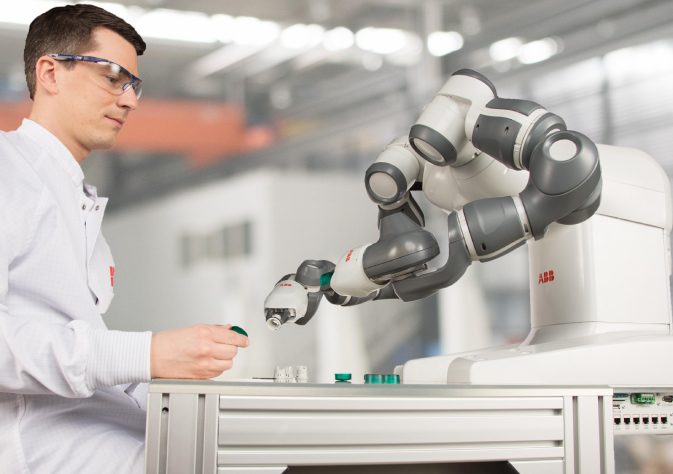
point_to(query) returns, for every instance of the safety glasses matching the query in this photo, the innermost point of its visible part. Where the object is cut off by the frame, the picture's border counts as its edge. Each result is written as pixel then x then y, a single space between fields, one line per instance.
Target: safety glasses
pixel 111 76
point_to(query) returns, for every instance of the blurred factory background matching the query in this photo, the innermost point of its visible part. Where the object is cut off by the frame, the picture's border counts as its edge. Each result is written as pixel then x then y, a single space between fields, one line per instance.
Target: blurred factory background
pixel 259 118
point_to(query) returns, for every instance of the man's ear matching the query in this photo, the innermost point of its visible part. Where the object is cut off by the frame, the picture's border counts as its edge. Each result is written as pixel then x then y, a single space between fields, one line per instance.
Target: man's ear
pixel 45 75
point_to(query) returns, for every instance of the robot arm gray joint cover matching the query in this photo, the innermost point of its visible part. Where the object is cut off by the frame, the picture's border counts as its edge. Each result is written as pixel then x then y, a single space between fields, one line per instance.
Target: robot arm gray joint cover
pixel 403 245
pixel 419 286
pixel 510 129
pixel 495 226
pixel 565 181
pixel 394 185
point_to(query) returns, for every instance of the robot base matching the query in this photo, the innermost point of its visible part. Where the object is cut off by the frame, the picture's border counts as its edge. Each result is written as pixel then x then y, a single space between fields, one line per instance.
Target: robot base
pixel 618 359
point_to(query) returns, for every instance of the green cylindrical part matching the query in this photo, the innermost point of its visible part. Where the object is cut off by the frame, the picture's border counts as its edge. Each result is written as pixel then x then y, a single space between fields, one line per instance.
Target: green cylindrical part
pixel 373 378
pixel 391 379
pixel 343 377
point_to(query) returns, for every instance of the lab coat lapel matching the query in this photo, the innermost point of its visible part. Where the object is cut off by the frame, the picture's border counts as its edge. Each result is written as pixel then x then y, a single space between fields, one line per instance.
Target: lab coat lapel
pixel 94 221
pixel 100 265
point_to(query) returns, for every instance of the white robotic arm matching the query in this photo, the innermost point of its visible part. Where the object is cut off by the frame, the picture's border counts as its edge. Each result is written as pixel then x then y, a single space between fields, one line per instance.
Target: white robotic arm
pixel 564 186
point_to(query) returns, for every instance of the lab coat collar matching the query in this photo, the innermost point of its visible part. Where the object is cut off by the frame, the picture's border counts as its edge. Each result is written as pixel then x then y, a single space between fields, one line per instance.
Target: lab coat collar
pixel 55 147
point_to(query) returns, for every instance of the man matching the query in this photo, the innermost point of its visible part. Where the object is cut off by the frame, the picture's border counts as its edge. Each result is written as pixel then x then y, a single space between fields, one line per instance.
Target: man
pixel 67 382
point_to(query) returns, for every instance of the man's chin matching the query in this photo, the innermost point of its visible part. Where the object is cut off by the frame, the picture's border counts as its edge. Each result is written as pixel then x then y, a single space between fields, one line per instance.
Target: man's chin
pixel 104 143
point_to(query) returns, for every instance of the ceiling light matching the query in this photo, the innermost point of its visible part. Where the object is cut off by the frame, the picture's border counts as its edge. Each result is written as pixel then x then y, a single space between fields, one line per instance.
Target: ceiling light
pixel 224 27
pixel 338 39
pixel 643 61
pixel 314 34
pixel 410 55
pixel 441 43
pixel 381 40
pixel 537 51
pixel 505 49
pixel 177 25
pixel 249 31
pixel 301 36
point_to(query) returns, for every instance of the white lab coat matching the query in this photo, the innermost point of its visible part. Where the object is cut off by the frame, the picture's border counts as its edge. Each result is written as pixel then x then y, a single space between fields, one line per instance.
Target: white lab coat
pixel 63 374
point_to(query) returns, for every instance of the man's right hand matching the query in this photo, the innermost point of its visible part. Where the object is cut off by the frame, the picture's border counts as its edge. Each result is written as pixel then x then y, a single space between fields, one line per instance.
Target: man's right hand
pixel 201 351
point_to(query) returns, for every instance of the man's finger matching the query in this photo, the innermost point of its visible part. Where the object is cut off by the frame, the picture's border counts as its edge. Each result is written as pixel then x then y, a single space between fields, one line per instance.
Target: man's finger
pixel 224 351
pixel 224 335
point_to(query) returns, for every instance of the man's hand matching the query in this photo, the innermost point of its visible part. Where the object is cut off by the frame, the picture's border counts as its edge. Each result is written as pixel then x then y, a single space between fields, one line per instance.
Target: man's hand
pixel 201 351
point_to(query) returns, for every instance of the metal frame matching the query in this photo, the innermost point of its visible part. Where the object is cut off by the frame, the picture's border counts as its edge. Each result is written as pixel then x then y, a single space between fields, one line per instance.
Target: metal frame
pixel 227 427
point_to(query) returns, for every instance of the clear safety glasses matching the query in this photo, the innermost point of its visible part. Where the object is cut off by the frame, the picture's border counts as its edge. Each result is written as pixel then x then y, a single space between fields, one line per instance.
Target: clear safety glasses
pixel 111 76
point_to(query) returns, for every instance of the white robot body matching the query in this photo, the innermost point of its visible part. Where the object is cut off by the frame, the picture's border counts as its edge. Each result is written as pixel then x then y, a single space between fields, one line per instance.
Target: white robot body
pixel 451 188
pixel 613 269
pixel 599 292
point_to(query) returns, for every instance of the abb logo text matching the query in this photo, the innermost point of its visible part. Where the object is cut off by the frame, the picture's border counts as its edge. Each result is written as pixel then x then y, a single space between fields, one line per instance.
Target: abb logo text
pixel 349 255
pixel 545 277
pixel 285 284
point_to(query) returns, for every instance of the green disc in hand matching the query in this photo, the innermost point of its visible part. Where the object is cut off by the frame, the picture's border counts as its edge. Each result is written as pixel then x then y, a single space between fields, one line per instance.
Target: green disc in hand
pixel 239 330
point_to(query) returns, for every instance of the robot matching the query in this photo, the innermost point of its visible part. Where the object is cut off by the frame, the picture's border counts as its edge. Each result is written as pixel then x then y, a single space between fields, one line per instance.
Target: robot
pixel 596 219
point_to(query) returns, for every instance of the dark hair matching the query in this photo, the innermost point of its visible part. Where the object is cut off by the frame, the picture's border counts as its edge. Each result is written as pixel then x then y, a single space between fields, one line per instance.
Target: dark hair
pixel 68 29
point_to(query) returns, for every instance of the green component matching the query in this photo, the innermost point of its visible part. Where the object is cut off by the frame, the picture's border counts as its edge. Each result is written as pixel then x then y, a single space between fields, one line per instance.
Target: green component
pixel 326 278
pixel 391 379
pixel 345 377
pixel 373 378
pixel 239 330
pixel 643 398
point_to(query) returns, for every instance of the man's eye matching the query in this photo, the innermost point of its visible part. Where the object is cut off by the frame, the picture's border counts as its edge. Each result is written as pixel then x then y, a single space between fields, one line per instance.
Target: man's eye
pixel 113 79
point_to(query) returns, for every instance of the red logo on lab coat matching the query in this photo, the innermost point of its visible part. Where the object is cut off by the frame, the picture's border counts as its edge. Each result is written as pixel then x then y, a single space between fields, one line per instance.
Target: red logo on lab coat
pixel 112 276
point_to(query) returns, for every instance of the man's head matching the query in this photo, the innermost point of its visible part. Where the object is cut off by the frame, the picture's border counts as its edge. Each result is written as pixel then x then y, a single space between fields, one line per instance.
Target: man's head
pixel 76 99
pixel 69 29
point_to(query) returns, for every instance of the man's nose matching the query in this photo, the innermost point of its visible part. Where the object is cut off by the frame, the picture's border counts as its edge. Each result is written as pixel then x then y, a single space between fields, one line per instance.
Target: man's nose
pixel 128 99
